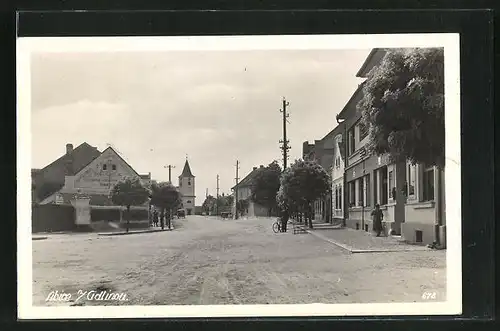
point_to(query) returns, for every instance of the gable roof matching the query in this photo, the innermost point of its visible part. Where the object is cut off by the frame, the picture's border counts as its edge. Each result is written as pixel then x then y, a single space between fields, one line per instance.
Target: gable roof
pixel 119 156
pixel 247 180
pixel 186 172
pixel 82 156
pixel 372 60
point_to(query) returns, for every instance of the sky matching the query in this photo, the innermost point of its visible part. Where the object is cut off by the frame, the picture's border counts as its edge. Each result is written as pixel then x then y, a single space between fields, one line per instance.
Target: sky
pixel 215 107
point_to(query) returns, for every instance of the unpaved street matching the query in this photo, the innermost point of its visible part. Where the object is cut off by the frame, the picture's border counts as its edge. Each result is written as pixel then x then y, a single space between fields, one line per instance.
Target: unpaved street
pixel 213 261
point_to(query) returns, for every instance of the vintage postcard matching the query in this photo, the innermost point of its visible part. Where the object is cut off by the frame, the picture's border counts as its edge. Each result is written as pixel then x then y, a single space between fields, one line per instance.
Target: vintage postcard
pixel 238 176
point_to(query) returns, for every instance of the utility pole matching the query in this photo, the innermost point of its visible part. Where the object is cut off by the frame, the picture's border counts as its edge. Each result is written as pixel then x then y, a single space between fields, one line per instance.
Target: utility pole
pixel 217 199
pixel 236 191
pixel 169 172
pixel 284 142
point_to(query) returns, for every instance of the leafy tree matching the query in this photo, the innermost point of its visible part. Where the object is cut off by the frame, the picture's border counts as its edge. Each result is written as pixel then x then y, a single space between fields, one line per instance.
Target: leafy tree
pixel 129 192
pixel 265 186
pixel 403 105
pixel 301 184
pixel 209 204
pixel 166 197
pixel 224 203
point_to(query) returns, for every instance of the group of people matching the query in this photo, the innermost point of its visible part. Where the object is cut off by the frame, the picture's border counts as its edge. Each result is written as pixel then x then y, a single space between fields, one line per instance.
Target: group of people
pixel 159 218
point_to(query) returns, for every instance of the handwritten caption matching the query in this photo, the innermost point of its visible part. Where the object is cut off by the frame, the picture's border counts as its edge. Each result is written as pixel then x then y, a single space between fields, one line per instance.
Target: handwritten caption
pixel 429 295
pixel 93 295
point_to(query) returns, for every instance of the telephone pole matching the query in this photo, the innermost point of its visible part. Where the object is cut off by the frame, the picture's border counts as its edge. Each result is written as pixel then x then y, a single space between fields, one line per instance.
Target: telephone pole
pixel 217 200
pixel 284 142
pixel 169 172
pixel 236 192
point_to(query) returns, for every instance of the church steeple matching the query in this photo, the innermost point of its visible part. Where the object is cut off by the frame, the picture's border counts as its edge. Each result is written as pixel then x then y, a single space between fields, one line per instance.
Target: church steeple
pixel 186 172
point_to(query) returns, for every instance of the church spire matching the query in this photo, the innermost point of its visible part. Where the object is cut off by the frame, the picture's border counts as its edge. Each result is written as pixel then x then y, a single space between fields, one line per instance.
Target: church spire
pixel 186 172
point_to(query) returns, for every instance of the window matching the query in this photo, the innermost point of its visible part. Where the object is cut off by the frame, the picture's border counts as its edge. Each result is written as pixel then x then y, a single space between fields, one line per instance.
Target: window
pixel 352 194
pixel 189 201
pixel 113 167
pixel 383 186
pixel 367 190
pixel 428 184
pixel 375 187
pixel 340 198
pixel 351 142
pixel 411 179
pixel 104 166
pixel 189 182
pixel 391 185
pixel 363 131
pixel 361 192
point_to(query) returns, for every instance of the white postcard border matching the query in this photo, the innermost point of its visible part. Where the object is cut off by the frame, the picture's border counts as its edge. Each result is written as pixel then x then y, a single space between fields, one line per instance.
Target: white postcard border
pixel 450 42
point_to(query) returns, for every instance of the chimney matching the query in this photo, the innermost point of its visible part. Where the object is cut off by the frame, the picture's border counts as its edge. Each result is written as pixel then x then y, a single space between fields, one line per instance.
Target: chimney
pixel 69 148
pixel 254 168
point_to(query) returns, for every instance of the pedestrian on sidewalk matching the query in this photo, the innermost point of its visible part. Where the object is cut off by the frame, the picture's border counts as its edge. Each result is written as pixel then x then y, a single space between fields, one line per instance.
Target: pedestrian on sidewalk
pixel 377 217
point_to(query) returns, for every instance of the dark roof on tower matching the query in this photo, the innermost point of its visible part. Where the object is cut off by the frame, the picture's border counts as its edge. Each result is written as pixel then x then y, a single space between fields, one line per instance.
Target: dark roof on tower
pixel 186 172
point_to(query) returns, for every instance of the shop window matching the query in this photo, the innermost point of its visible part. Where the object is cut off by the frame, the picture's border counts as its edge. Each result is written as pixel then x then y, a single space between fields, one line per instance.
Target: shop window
pixel 367 190
pixel 363 131
pixel 383 186
pixel 352 194
pixel 361 192
pixel 428 184
pixel 391 185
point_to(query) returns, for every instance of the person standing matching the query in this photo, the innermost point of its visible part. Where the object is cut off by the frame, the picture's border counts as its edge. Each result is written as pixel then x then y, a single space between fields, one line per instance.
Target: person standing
pixel 377 217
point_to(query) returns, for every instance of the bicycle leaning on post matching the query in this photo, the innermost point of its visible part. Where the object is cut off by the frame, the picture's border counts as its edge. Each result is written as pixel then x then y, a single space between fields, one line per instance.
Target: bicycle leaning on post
pixel 277 226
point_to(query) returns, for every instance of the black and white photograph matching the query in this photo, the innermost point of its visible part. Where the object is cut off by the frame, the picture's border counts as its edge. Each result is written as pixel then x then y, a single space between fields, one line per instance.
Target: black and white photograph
pixel 311 175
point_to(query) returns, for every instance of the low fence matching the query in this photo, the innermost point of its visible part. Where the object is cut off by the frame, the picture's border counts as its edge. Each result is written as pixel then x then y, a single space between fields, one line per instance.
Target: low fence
pixel 113 214
pixel 52 218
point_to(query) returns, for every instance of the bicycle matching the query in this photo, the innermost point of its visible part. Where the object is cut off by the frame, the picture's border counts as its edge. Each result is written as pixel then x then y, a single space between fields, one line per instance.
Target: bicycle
pixel 277 226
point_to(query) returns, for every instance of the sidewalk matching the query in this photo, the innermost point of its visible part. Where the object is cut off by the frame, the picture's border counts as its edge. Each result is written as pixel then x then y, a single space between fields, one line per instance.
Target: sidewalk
pixel 358 241
pixel 150 230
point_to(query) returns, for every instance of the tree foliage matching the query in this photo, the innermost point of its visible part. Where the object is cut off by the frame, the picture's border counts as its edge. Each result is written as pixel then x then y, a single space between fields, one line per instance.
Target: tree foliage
pixel 129 192
pixel 265 185
pixel 301 184
pixel 209 204
pixel 403 105
pixel 165 196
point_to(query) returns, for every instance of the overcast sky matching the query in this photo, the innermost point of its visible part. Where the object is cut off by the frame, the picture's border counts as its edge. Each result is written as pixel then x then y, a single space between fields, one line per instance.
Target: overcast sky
pixel 217 107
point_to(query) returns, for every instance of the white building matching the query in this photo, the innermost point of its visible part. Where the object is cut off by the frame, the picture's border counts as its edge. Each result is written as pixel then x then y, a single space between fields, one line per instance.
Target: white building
pixel 337 174
pixel 187 189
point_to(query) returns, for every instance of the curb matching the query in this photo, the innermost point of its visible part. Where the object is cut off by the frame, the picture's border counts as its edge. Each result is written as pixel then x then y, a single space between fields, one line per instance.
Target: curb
pixel 359 251
pixel 39 238
pixel 347 248
pixel 132 232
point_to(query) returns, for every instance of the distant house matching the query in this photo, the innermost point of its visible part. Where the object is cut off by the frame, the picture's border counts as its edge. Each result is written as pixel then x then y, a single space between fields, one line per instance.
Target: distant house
pixel 95 179
pixel 244 189
pixel 50 179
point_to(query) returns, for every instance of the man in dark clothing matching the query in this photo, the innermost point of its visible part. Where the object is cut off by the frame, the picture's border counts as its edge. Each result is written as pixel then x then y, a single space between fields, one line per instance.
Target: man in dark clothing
pixel 284 219
pixel 377 217
pixel 155 217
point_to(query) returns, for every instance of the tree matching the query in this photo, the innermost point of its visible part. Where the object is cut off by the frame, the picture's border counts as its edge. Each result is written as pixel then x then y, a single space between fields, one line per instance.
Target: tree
pixel 265 186
pixel 209 204
pixel 301 184
pixel 129 192
pixel 403 106
pixel 166 197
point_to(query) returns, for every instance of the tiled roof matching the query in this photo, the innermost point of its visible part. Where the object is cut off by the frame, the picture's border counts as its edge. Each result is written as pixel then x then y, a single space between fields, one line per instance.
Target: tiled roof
pixel 247 180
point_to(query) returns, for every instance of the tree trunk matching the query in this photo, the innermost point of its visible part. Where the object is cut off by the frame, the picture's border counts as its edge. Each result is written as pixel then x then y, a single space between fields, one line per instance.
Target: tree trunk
pixel 128 217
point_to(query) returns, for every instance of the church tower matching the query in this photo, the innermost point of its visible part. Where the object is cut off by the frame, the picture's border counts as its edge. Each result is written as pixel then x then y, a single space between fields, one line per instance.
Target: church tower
pixel 186 188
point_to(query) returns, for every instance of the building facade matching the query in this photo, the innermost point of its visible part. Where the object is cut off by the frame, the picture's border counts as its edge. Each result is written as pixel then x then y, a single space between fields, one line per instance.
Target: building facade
pixel 96 180
pixel 244 192
pixel 187 189
pixel 337 174
pixel 411 196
